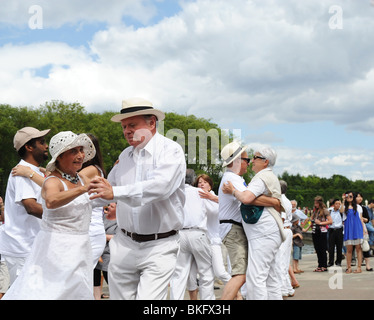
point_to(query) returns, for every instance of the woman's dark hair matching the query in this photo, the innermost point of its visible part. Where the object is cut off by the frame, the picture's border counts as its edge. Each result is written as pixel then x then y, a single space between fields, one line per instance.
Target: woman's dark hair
pixel 97 160
pixel 354 203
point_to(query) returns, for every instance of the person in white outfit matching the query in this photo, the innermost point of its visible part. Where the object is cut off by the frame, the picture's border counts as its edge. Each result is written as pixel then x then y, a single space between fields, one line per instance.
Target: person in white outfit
pixel 195 244
pixel 59 266
pixel 235 158
pixel 23 208
pixel 284 253
pixel 148 186
pixel 266 235
pixel 90 169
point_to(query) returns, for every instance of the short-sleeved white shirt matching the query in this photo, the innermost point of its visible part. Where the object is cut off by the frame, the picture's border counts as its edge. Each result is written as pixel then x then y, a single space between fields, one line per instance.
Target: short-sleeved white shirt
pixel 266 224
pixel 229 206
pixel 20 228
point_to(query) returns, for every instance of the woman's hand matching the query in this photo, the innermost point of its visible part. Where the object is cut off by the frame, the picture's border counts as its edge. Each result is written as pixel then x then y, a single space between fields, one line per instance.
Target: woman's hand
pixel 100 188
pixel 228 188
pixel 23 171
pixel 207 195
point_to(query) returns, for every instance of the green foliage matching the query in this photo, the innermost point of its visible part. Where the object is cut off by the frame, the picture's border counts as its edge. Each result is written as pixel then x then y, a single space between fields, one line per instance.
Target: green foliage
pixel 201 141
pixel 305 189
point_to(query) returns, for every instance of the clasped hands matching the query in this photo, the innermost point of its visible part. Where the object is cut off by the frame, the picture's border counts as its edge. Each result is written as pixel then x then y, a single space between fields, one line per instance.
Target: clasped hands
pixel 100 188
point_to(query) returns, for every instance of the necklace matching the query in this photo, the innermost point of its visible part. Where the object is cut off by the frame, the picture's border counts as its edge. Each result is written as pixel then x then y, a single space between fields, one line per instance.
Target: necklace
pixel 69 177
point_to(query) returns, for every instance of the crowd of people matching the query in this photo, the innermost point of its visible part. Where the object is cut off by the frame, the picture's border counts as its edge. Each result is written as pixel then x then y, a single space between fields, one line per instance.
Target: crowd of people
pixel 151 227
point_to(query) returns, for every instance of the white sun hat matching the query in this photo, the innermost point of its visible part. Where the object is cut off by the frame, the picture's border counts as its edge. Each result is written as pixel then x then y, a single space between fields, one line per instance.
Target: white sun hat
pixel 231 151
pixel 66 140
pixel 135 107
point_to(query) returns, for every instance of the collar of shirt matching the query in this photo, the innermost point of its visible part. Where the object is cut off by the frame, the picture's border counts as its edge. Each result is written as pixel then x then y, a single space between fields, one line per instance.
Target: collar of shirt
pixel 148 148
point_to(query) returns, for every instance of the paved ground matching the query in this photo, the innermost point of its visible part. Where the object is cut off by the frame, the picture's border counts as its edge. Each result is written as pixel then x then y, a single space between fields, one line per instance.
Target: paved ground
pixel 331 285
pixel 334 284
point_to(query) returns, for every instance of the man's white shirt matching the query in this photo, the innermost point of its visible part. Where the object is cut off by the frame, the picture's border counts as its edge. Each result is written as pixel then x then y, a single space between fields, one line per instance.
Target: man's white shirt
pixel 229 206
pixel 19 228
pixel 148 185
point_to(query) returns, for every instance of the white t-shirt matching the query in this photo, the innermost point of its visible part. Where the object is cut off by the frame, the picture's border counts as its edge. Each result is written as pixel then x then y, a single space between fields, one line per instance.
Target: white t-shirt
pixel 20 228
pixel 266 224
pixel 229 206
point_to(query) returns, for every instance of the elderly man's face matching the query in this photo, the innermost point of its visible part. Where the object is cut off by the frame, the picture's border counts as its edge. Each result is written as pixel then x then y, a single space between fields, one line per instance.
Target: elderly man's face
pixel 138 131
pixel 244 163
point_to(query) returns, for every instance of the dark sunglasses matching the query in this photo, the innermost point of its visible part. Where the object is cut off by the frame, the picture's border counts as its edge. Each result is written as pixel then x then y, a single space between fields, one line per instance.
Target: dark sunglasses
pixel 258 157
pixel 247 159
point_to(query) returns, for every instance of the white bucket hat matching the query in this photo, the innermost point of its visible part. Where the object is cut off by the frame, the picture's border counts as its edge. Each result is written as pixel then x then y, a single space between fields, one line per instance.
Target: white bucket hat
pixel 231 151
pixel 135 107
pixel 66 140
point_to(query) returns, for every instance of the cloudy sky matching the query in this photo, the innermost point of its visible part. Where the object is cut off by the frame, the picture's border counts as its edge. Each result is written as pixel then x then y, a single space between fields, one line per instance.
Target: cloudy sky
pixel 296 75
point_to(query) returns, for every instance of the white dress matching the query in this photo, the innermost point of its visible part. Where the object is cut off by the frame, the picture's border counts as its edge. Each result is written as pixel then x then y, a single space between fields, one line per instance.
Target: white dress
pixel 97 231
pixel 59 266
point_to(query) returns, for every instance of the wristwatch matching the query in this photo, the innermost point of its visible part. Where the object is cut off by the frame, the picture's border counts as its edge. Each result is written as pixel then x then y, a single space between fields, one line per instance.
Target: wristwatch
pixel 31 175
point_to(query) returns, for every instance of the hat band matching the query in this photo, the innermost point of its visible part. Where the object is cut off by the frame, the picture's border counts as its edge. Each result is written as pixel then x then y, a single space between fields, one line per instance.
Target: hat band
pixel 134 109
pixel 233 155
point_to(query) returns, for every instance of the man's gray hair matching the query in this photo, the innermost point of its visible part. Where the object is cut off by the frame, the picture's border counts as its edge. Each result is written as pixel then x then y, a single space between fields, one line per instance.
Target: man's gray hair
pixel 190 176
pixel 283 185
pixel 269 154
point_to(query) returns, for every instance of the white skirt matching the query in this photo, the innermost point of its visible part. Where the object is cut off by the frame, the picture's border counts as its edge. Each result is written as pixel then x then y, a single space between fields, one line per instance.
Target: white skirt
pixel 59 267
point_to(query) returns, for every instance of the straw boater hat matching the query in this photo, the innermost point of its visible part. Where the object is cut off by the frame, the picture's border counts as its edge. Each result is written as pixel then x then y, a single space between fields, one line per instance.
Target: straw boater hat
pixel 25 134
pixel 135 107
pixel 231 151
pixel 66 140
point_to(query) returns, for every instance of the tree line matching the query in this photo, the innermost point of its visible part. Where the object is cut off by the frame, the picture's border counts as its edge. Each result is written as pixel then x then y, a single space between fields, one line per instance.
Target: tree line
pixel 200 138
pixel 305 189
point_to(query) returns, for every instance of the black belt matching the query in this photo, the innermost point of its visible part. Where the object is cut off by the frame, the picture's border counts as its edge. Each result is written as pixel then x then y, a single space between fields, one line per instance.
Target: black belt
pixel 232 222
pixel 148 237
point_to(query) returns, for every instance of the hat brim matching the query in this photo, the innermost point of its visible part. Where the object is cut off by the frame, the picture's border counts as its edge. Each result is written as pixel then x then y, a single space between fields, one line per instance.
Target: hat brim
pixel 225 164
pixel 42 133
pixel 158 113
pixel 81 140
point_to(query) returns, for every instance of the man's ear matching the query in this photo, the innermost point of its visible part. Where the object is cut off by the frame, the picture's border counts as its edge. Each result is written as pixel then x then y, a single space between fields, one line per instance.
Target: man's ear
pixel 28 147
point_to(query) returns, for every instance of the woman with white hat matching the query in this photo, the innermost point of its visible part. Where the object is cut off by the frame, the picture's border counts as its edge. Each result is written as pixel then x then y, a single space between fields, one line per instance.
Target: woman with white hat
pixel 60 263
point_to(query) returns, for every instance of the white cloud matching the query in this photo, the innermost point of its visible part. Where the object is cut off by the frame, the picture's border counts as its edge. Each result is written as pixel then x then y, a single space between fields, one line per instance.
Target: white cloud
pixel 356 164
pixel 73 12
pixel 258 62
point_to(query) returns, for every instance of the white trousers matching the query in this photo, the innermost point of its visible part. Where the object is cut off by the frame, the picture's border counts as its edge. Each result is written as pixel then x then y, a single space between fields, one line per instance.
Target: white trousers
pixel 219 269
pixel 143 270
pixel 15 265
pixel 283 263
pixel 195 245
pixel 262 280
pixel 98 242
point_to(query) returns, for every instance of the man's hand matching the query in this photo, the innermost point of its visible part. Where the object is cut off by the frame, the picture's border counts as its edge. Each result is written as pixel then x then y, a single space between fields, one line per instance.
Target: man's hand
pixel 100 188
